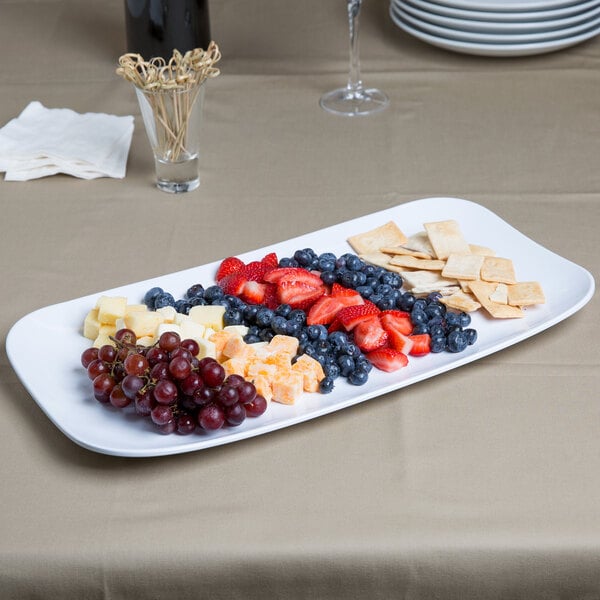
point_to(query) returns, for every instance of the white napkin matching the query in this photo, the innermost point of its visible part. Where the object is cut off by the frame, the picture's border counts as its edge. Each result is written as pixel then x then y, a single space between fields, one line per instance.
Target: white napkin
pixel 44 141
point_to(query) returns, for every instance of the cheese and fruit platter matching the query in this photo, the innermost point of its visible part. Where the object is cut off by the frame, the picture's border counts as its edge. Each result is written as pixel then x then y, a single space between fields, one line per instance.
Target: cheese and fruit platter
pixel 264 340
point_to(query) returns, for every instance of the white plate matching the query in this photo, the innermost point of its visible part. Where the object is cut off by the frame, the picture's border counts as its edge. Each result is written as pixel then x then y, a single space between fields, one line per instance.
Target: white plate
pixel 497 38
pixel 497 50
pixel 509 5
pixel 506 17
pixel 470 25
pixel 52 373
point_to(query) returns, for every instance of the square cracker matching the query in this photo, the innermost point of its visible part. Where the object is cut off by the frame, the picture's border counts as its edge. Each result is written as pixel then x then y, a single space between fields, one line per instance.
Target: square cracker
pixel 405 251
pixel 425 279
pixel 463 266
pixel 461 301
pixel 388 234
pixel 498 269
pixel 526 293
pixel 482 290
pixel 446 238
pixel 411 262
pixel 419 242
pixel 500 294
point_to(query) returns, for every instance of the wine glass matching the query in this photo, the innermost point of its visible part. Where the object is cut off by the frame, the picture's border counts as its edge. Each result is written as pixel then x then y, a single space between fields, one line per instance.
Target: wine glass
pixel 354 99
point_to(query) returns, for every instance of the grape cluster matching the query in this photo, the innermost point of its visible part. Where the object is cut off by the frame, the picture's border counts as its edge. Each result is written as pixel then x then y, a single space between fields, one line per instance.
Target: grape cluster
pixel 169 384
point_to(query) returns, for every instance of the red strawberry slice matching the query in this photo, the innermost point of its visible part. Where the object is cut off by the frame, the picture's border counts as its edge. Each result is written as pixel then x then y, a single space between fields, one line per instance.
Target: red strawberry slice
pixel 270 299
pixel 397 321
pixel 230 265
pixel 255 292
pixel 336 325
pixel 293 274
pixel 421 344
pixel 298 295
pixel 369 334
pixel 338 291
pixel 233 284
pixel 256 270
pixel 270 260
pixel 387 359
pixel 351 316
pixel 398 341
pixel 324 310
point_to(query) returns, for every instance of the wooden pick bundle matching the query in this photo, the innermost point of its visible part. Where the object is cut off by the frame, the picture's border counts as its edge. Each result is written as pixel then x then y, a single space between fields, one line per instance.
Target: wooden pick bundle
pixel 171 88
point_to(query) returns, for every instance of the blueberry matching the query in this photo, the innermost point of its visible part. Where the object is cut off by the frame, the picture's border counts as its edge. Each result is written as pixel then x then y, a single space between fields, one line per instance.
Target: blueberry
pixel 452 319
pixel 364 290
pixel 328 277
pixel 406 301
pixel 375 298
pixel 264 316
pixel 386 303
pixel 164 299
pixel 303 258
pixel 314 332
pixel 421 328
pixel 326 385
pixel 338 339
pixel 196 290
pixel 351 350
pixel 288 262
pixel 471 336
pixel 221 302
pixel 151 295
pixel 250 313
pixel 364 364
pixel 354 263
pixel 464 319
pixel 372 281
pixel 183 307
pixel 198 301
pixel 235 302
pixel 293 328
pixel 283 310
pixel 212 293
pixel 358 377
pixel 438 343
pixel 340 262
pixel 384 289
pixel 297 315
pixel 418 317
pixel 331 370
pixel 434 296
pixel 347 278
pixel 266 334
pixel 346 364
pixel 325 264
pixel 233 316
pixel 302 336
pixel 251 339
pixel 279 325
pixel 457 341
pixel 420 304
pixel 328 256
pixel 434 310
pixel 435 329
pixel 368 270
pixel 392 279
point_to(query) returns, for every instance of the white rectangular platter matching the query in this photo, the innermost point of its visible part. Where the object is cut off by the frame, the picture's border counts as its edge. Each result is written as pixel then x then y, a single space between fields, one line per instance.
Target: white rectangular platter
pixel 55 379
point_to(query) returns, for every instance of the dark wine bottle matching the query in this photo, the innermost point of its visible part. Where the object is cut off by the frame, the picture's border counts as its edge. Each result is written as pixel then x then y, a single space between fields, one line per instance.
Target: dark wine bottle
pixel 157 27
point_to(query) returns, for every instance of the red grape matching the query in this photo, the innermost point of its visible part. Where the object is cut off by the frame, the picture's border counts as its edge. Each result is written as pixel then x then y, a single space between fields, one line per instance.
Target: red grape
pixel 257 407
pixel 185 424
pixel 131 385
pixel 126 336
pixel 211 417
pixel 204 395
pixel 144 402
pixel 227 396
pixel 212 373
pixel 169 340
pixel 155 355
pixel 96 367
pixel 165 392
pixel 160 371
pixel 118 398
pixel 246 392
pixel 234 380
pixel 136 364
pixel 179 367
pixel 235 414
pixel 107 353
pixel 88 356
pixel 191 346
pixel 161 415
pixel 190 384
pixel 103 384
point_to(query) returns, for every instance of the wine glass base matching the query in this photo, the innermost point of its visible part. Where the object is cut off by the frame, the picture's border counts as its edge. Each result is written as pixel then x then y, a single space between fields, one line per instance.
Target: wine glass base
pixel 354 102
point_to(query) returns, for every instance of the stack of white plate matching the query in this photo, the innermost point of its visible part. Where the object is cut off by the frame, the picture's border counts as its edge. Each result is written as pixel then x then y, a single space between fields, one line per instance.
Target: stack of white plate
pixel 499 27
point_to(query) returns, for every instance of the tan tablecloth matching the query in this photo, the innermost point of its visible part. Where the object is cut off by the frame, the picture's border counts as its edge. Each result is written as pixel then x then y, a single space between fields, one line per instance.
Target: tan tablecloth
pixel 480 483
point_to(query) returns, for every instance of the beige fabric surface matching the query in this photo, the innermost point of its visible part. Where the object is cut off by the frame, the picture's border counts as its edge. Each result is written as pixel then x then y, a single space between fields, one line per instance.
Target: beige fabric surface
pixel 480 483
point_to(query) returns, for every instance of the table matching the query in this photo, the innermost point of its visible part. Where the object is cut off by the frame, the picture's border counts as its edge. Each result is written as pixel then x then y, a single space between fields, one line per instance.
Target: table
pixel 480 483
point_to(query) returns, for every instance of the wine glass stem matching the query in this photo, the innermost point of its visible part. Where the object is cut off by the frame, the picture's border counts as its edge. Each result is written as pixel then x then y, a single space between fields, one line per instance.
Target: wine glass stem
pixel 354 81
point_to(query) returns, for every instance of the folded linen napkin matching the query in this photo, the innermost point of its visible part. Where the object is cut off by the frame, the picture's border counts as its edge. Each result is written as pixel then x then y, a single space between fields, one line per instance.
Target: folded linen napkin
pixel 44 141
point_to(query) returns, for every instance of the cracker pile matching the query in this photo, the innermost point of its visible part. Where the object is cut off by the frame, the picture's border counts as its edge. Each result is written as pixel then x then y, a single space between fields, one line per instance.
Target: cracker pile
pixel 439 259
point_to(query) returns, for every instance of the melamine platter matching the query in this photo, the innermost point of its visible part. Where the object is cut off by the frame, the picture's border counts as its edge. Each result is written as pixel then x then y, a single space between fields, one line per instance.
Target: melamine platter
pixel 53 376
